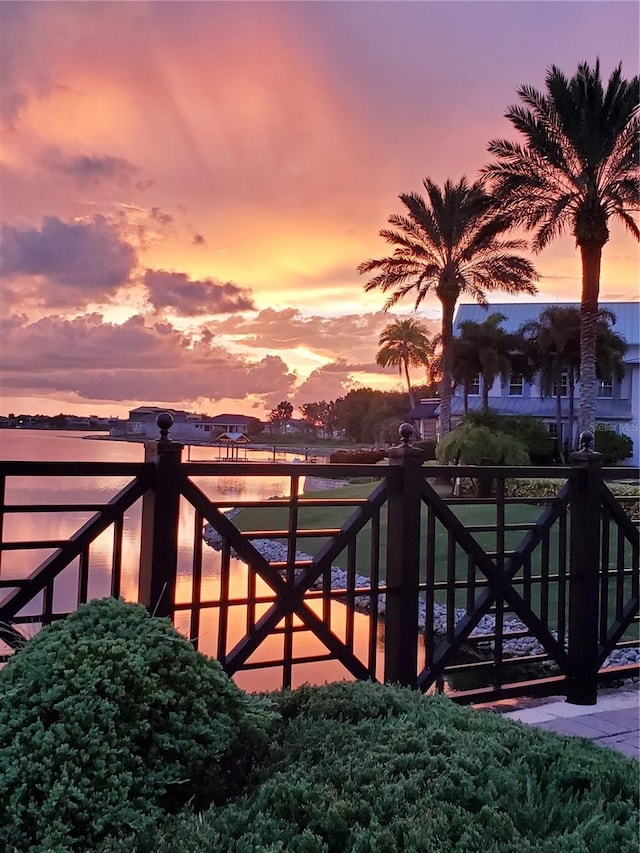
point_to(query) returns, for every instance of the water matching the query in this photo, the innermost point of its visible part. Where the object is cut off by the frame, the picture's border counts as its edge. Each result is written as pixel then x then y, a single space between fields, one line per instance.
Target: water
pixel 61 446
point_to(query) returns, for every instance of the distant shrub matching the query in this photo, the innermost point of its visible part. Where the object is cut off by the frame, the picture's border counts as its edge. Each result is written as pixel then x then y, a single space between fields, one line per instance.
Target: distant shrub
pixel 428 447
pixel 613 447
pixel 109 719
pixel 364 767
pixel 627 495
pixel 357 457
pixel 528 430
pixel 478 445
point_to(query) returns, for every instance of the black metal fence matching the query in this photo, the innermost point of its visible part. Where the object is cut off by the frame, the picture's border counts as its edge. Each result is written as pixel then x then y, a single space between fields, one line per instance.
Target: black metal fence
pixel 481 598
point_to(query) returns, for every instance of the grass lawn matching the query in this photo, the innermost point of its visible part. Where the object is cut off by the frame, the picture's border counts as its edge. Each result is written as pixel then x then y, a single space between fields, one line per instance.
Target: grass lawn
pixel 331 517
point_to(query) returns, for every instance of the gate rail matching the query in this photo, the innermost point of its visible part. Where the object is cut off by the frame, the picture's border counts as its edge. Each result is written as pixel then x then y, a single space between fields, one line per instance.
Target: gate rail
pixel 487 610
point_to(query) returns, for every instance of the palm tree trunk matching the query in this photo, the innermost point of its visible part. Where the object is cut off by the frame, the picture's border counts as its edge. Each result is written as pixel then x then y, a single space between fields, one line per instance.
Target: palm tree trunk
pixel 559 426
pixel 485 393
pixel 448 308
pixel 572 396
pixel 465 398
pixel 412 401
pixel 591 257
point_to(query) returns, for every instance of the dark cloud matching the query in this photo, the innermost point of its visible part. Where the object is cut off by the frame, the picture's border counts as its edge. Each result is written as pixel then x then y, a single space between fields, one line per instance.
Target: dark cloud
pixel 187 297
pixel 161 217
pixel 198 240
pixel 74 262
pixel 89 170
pixel 131 361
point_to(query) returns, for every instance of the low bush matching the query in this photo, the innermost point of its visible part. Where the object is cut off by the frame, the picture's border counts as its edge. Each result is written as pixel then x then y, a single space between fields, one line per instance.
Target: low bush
pixel 627 494
pixel 526 429
pixel 428 447
pixel 108 720
pixel 613 447
pixel 362 767
pixel 357 457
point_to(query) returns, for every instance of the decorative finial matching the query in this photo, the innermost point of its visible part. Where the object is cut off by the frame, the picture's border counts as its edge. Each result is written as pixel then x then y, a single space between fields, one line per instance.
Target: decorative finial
pixel 586 441
pixel 406 433
pixel 164 422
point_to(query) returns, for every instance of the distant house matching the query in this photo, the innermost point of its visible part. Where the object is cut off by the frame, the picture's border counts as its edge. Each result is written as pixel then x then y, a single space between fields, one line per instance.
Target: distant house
pixel 187 426
pixel 618 404
pixel 425 416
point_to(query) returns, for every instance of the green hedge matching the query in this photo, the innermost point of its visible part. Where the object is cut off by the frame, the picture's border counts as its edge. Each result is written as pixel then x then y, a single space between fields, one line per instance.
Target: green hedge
pixel 627 494
pixel 110 719
pixel 357 457
pixel 361 767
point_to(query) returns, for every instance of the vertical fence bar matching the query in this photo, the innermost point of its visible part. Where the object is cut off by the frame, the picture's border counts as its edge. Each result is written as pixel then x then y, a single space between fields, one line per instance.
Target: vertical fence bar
pixel 374 575
pixel 83 576
pixel 196 579
pixel 584 566
pixel 159 537
pixel 430 592
pixel 116 557
pixel 403 564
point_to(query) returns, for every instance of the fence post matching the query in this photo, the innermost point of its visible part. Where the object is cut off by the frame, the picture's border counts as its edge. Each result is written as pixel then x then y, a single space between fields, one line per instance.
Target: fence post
pixel 584 567
pixel 403 565
pixel 159 536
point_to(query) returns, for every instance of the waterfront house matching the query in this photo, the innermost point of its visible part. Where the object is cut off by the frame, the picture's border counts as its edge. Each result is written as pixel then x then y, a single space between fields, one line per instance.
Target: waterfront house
pixel 187 426
pixel 618 404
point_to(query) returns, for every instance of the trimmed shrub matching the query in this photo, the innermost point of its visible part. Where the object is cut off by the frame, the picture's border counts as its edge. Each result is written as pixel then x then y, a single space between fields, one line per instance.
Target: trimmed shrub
pixel 109 719
pixel 428 447
pixel 627 495
pixel 357 457
pixel 614 447
pixel 478 445
pixel 528 430
pixel 363 767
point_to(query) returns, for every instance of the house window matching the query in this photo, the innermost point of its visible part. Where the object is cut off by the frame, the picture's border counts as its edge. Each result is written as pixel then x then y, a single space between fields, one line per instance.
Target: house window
pixel 474 387
pixel 553 431
pixel 516 385
pixel 605 388
pixel 562 386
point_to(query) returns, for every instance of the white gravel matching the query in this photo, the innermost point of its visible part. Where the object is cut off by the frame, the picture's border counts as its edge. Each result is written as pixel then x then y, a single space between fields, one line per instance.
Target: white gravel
pixel 277 552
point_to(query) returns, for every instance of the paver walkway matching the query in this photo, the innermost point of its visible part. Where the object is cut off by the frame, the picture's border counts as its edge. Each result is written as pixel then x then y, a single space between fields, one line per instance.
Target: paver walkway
pixel 614 721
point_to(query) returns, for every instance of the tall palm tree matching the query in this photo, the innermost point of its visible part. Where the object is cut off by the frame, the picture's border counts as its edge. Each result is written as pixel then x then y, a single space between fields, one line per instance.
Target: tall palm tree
pixel 577 169
pixel 405 343
pixel 446 246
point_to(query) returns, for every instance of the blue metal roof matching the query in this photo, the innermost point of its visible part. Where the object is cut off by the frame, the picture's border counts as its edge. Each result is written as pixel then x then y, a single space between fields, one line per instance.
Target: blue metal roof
pixel 543 407
pixel 627 314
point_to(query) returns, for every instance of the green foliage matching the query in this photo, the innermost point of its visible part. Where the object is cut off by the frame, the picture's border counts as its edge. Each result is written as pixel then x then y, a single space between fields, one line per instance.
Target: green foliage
pixel 627 494
pixel 109 719
pixel 357 457
pixel 478 445
pixel 528 430
pixel 362 767
pixel 428 447
pixel 613 447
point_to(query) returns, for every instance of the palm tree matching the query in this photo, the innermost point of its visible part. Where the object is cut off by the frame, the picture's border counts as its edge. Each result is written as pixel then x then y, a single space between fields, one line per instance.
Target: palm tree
pixel 577 169
pixel 405 343
pixel 485 348
pixel 556 338
pixel 447 246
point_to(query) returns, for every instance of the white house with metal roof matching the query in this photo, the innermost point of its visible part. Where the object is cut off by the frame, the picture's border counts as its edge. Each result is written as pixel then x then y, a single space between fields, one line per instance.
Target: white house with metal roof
pixel 618 404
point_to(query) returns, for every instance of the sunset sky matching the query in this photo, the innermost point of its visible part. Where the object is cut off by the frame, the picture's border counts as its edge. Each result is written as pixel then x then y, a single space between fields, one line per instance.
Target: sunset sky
pixel 187 188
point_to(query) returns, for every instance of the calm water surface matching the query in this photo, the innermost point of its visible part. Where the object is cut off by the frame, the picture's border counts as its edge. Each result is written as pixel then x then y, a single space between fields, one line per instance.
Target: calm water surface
pixel 60 446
